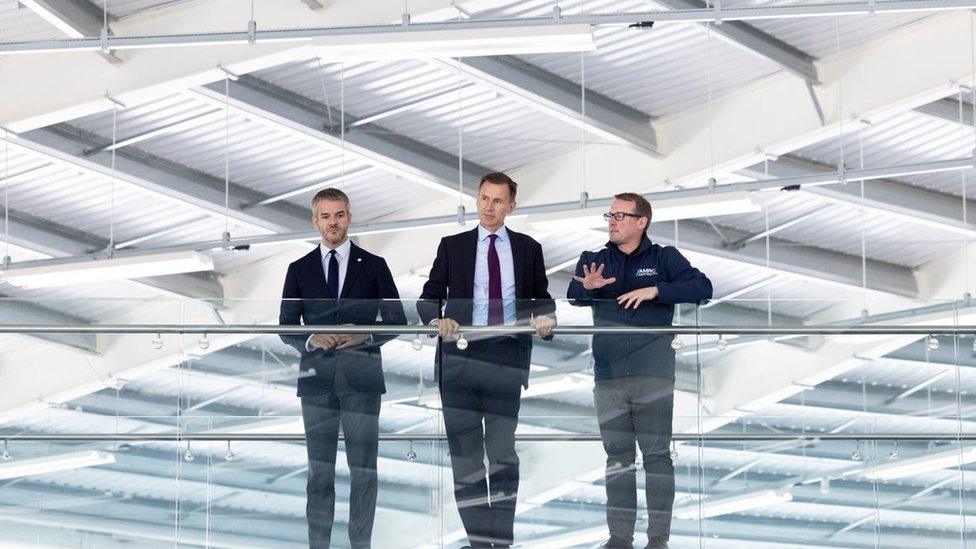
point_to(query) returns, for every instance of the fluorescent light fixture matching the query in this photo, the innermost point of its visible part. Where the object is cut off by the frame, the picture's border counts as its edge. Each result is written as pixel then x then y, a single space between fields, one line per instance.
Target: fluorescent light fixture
pixel 735 504
pixel 46 14
pixel 443 44
pixel 54 272
pixel 920 465
pixel 355 44
pixel 667 209
pixel 53 464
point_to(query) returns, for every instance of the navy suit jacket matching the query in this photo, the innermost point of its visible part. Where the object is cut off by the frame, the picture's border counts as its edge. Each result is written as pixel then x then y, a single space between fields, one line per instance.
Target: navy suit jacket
pixel 451 284
pixel 369 296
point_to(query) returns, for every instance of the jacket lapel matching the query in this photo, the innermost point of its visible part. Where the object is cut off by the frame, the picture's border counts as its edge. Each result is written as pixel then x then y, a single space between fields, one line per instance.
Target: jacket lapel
pixel 518 261
pixel 352 269
pixel 316 274
pixel 469 251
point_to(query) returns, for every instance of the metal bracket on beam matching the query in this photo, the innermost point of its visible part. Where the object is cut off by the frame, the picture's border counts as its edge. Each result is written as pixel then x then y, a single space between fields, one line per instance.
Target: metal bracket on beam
pixel 233 76
pixel 718 12
pixel 252 31
pixel 115 101
pixel 104 41
pixel 405 20
pixel 557 13
pixel 816 104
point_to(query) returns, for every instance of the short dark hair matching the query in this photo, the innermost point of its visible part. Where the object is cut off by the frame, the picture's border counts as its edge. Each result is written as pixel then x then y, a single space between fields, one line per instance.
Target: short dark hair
pixel 330 193
pixel 498 178
pixel 641 206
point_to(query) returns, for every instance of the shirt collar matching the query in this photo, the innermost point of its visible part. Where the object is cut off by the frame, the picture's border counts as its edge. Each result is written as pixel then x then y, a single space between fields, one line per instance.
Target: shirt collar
pixel 483 233
pixel 341 252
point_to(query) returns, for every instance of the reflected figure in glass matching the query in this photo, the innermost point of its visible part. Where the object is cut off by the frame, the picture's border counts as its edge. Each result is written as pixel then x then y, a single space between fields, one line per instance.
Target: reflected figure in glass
pixel 634 282
pixel 342 376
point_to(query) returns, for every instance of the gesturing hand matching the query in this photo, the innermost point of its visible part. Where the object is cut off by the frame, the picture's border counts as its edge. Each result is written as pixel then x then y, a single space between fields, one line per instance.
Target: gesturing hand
pixel 592 278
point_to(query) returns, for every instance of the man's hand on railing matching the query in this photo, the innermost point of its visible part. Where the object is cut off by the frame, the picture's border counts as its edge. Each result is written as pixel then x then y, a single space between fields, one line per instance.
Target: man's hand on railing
pixel 351 340
pixel 448 328
pixel 592 278
pixel 336 342
pixel 543 325
pixel 636 297
pixel 323 341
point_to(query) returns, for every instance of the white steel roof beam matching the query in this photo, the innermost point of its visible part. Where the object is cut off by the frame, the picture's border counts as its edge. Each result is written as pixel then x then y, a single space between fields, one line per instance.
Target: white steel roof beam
pixel 795 261
pixel 305 119
pixel 948 109
pixel 758 42
pixel 66 145
pixel 560 98
pixel 887 196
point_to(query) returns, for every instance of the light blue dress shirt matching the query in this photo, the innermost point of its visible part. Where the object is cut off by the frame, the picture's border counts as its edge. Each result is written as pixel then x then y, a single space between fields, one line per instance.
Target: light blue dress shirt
pixel 503 245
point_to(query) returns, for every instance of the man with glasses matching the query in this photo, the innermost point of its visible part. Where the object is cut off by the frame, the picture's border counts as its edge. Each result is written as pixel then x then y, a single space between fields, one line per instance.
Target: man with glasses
pixel 634 282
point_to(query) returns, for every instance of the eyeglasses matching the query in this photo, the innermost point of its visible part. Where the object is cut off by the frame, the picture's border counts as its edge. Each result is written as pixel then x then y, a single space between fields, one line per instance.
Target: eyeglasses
pixel 619 216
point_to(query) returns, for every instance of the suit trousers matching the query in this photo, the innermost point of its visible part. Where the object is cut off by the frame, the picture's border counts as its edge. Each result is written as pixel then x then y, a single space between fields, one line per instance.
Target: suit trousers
pixel 481 388
pixel 637 411
pixel 358 414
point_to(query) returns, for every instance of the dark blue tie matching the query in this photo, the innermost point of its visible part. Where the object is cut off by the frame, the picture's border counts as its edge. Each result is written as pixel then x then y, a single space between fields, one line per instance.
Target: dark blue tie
pixel 333 278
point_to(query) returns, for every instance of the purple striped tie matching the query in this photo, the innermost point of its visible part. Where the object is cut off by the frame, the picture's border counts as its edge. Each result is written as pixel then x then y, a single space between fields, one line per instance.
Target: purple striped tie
pixel 496 316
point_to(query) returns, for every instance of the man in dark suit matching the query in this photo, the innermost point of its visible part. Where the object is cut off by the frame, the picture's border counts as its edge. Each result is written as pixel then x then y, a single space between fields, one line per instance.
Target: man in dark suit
pixel 488 276
pixel 339 283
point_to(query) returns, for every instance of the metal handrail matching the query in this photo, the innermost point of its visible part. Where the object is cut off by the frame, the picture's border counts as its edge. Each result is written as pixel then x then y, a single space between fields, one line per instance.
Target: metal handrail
pixel 484 330
pixel 439 437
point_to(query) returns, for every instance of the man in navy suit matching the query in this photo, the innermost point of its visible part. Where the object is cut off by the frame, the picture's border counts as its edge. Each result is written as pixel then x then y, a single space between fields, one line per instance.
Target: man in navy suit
pixel 488 276
pixel 339 283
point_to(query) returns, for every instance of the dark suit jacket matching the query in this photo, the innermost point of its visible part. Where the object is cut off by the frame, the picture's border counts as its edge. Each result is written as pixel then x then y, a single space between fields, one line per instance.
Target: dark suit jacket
pixel 306 300
pixel 451 284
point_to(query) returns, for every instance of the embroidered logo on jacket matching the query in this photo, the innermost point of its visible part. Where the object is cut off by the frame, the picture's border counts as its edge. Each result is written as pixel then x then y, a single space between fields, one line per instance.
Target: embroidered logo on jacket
pixel 647 272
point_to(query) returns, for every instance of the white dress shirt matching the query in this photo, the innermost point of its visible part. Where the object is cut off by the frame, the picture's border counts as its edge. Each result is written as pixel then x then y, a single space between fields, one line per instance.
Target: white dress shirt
pixel 342 256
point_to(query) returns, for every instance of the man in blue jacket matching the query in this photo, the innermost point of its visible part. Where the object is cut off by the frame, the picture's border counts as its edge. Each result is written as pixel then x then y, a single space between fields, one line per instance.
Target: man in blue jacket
pixel 340 283
pixel 633 282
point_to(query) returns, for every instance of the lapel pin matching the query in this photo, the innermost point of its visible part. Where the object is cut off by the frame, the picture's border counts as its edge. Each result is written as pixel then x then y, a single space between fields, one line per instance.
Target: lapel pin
pixel 358 259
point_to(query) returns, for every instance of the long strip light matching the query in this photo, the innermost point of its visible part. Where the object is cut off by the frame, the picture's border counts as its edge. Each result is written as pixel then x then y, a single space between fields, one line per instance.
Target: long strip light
pixel 55 463
pixel 689 207
pixel 52 273
pixel 701 15
pixel 735 504
pixel 353 43
pixel 920 465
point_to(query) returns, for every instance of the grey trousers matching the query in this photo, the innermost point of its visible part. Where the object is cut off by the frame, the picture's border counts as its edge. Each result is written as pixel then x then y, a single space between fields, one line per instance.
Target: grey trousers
pixel 637 411
pixel 358 414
